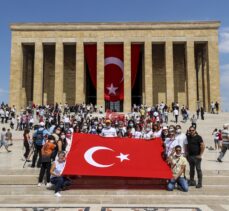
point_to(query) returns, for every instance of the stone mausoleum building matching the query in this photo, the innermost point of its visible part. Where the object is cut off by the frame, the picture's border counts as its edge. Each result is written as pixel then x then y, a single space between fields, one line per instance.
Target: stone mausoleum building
pixel 154 62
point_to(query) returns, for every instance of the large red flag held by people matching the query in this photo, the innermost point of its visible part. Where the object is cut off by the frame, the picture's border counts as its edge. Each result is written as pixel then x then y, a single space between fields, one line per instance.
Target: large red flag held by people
pixel 93 155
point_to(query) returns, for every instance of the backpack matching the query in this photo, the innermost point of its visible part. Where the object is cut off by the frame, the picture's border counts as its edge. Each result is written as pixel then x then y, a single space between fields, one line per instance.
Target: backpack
pixel 39 138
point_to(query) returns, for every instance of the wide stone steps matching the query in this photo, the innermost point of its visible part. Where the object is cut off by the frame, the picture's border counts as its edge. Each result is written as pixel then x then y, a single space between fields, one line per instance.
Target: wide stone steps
pixel 31 194
pixel 33 180
pixel 28 190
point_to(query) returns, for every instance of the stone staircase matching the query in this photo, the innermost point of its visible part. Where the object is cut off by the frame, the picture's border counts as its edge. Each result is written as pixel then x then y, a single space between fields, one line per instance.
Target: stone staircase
pixel 18 186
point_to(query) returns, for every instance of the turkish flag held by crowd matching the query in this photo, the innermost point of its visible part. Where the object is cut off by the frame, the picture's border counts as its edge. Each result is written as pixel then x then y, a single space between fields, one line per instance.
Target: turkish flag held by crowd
pixel 92 155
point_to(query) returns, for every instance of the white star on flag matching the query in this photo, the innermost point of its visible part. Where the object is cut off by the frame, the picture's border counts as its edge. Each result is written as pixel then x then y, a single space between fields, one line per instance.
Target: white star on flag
pixel 123 157
pixel 112 89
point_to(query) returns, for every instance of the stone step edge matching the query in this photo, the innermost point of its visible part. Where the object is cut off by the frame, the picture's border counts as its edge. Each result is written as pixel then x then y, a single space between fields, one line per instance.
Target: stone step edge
pixel 122 195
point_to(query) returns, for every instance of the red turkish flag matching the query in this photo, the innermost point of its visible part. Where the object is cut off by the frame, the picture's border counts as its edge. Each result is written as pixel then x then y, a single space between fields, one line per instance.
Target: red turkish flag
pixel 114 72
pixel 94 155
pixel 113 116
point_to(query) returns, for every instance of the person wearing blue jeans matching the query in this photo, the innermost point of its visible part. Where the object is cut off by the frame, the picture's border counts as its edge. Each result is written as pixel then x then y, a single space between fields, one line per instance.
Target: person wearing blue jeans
pixel 56 178
pixel 181 183
pixel 177 163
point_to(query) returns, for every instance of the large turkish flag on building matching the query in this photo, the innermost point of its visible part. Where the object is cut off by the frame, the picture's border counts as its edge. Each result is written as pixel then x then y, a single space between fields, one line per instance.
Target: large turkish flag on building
pixel 114 72
pixel 94 155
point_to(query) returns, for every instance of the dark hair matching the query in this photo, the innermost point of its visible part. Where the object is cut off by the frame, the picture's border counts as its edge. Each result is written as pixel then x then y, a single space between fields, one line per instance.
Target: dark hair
pixel 26 131
pixel 177 146
pixel 61 153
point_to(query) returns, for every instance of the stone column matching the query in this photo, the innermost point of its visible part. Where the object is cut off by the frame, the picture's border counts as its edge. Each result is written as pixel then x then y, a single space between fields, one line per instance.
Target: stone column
pixel 38 74
pixel 100 75
pixel 205 79
pixel 169 73
pixel 191 76
pixel 59 73
pixel 200 78
pixel 127 77
pixel 16 68
pixel 214 75
pixel 148 73
pixel 80 75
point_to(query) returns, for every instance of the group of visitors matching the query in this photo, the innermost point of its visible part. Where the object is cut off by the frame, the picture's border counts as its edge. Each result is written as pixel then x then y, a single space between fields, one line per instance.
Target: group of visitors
pixel 214 107
pixel 51 139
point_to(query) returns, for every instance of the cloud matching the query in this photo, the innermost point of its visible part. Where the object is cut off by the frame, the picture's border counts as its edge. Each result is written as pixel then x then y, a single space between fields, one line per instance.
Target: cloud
pixel 224 40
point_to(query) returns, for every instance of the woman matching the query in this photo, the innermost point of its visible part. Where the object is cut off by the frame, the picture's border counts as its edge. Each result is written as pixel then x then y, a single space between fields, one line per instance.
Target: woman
pixel 138 132
pixel 26 137
pixel 156 131
pixel 46 156
pixel 147 133
pixel 56 178
pixel 62 142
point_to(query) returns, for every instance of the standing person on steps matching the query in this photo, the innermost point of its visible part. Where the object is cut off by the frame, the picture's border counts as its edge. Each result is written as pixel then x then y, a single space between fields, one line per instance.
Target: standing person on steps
pixel 195 150
pixel 225 140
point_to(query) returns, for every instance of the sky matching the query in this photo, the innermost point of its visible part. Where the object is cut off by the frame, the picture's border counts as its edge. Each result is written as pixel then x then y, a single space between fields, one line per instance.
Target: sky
pixel 13 11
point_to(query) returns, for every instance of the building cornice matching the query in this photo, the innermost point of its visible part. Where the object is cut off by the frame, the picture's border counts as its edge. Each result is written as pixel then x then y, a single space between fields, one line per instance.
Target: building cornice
pixel 186 25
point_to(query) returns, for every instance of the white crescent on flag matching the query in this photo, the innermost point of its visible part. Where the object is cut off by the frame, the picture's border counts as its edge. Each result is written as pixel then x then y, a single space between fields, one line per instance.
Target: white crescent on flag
pixel 116 61
pixel 89 153
pixel 88 156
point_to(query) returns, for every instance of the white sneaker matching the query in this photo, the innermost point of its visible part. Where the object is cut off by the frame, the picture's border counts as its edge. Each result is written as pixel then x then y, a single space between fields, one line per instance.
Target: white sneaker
pixel 39 184
pixel 48 185
pixel 57 194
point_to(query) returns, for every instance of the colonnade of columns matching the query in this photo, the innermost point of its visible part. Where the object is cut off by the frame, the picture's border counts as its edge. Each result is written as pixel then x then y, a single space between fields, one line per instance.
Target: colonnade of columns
pixel 212 78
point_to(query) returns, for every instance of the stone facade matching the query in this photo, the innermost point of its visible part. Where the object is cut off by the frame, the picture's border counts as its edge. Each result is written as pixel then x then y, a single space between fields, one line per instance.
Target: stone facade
pixel 179 62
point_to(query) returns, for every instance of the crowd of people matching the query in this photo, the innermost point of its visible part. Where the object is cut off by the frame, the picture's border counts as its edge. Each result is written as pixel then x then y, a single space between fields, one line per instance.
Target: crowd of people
pixel 53 127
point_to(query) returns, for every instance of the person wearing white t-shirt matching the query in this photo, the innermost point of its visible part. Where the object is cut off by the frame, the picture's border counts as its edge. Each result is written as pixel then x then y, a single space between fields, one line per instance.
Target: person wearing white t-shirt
pixel 181 139
pixel 108 131
pixel 137 133
pixel 170 143
pixel 156 131
pixel 148 133
pixel 176 113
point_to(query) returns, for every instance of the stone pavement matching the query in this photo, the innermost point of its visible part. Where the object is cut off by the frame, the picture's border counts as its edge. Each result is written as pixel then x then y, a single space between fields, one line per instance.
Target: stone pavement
pixel 18 186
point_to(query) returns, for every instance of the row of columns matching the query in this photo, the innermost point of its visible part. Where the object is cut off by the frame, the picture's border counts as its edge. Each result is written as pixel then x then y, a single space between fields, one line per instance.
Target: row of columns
pixel 16 73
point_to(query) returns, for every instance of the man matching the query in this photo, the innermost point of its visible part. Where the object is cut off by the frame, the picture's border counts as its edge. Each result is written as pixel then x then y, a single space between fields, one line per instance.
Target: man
pixel 193 121
pixel 181 140
pixel 39 138
pixel 225 140
pixel 176 113
pixel 3 140
pixel 195 151
pixel 178 164
pixel 217 107
pixel 212 107
pixel 108 131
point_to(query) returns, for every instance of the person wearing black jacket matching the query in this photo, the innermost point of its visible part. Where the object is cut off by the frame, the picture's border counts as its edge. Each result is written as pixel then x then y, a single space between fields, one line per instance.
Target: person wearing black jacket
pixel 195 149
